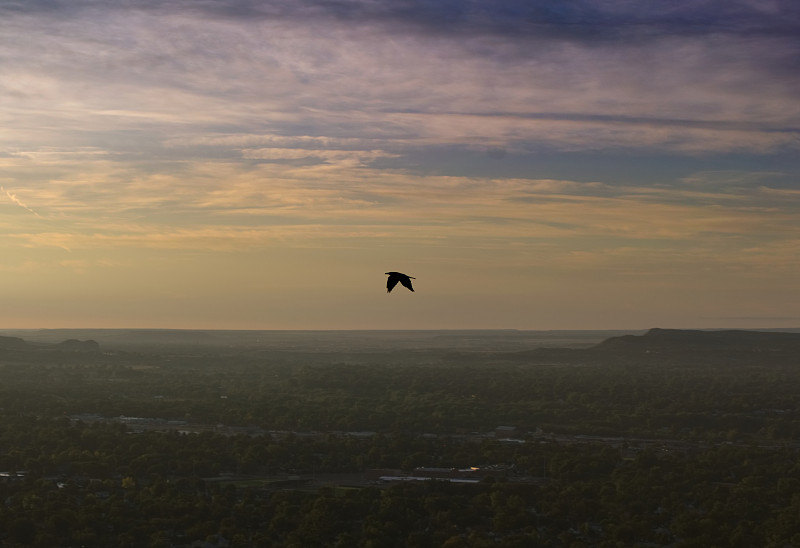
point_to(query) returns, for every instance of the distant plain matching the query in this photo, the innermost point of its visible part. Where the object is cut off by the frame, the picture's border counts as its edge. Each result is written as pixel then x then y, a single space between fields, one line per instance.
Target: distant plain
pixel 325 341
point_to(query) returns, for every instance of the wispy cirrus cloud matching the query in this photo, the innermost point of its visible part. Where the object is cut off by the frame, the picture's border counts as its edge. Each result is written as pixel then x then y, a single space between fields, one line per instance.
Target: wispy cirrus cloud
pixel 647 141
pixel 13 197
pixel 697 82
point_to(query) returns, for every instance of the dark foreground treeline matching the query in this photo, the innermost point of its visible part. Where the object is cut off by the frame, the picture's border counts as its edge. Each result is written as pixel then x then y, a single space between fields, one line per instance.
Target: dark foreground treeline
pixel 700 447
pixel 722 496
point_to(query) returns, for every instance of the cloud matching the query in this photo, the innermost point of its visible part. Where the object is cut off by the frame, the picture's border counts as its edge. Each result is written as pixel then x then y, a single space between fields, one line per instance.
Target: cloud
pixel 14 199
pixel 114 75
pixel 603 145
pixel 782 319
pixel 579 20
pixel 181 115
pixel 351 158
pixel 228 206
pixel 730 179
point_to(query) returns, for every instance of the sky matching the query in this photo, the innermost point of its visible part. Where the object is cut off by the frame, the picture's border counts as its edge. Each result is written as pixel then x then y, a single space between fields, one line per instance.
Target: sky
pixel 259 164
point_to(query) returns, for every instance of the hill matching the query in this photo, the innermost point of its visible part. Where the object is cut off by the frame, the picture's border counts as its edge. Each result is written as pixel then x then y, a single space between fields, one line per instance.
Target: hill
pixel 677 346
pixel 13 343
pixel 17 344
pixel 700 340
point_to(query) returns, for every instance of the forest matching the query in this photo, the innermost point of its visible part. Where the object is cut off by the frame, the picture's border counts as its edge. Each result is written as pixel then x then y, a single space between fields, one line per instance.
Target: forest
pixel 666 438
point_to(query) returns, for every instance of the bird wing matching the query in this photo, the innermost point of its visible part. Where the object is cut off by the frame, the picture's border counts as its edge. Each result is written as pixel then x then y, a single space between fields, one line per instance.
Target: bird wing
pixel 391 282
pixel 406 281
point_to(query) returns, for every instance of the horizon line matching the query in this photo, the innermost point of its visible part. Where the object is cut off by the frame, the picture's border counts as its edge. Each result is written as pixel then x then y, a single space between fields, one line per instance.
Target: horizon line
pixel 515 329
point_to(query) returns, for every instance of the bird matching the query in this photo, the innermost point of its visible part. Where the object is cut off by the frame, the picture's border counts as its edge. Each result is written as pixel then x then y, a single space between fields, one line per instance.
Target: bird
pixel 395 277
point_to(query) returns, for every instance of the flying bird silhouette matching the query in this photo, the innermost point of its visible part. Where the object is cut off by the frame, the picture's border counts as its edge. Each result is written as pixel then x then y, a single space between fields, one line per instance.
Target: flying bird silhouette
pixel 395 277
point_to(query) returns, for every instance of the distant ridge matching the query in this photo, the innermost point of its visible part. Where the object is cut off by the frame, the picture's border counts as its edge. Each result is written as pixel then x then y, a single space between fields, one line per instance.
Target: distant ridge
pixel 74 345
pixel 192 340
pixel 666 346
pixel 729 339
pixel 542 347
pixel 18 344
pixel 13 343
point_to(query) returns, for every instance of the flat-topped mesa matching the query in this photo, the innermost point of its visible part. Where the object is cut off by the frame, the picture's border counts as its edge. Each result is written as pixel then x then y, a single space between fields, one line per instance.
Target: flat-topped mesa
pixel 16 344
pixel 695 339
pixel 12 343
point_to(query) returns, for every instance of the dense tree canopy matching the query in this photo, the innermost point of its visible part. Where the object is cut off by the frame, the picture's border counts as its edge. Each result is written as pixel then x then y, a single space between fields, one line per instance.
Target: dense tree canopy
pixel 612 449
